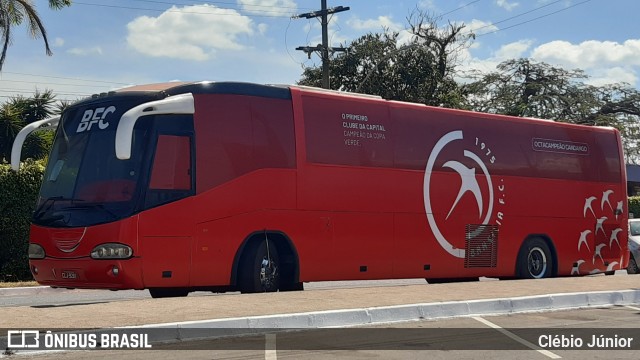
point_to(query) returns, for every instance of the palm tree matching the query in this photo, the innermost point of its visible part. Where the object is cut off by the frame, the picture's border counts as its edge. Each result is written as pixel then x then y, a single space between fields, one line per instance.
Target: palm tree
pixel 14 12
pixel 20 111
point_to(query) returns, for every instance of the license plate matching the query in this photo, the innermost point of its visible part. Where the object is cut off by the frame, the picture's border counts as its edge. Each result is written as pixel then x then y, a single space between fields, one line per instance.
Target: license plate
pixel 69 275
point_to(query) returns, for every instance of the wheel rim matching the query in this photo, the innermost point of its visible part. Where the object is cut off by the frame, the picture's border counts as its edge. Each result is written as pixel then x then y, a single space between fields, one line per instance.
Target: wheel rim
pixel 537 263
pixel 268 274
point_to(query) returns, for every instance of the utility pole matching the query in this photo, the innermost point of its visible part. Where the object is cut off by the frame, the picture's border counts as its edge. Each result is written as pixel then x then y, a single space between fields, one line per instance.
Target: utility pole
pixel 323 49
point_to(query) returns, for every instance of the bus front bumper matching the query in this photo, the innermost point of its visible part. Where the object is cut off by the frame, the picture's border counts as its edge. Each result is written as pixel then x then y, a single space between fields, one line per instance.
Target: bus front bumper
pixel 88 273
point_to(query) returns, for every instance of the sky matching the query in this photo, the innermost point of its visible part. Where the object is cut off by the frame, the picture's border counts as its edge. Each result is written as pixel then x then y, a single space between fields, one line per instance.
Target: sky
pixel 103 45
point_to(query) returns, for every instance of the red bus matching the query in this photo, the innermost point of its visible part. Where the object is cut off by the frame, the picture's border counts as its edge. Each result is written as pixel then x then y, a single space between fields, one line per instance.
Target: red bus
pixel 221 186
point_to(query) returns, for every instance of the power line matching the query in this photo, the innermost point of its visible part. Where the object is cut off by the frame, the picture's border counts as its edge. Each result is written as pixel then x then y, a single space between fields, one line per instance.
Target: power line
pixel 47 84
pixel 33 91
pixel 459 8
pixel 518 15
pixel 536 18
pixel 178 11
pixel 228 4
pixel 66 78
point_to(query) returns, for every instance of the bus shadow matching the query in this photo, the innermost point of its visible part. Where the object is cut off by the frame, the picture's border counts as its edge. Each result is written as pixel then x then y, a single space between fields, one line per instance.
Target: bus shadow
pixel 66 305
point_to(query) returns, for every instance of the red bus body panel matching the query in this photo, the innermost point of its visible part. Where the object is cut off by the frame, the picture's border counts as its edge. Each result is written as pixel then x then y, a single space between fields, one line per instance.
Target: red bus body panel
pixel 368 189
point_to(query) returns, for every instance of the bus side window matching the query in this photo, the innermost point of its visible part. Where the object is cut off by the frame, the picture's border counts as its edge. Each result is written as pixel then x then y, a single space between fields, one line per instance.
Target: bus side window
pixel 171 171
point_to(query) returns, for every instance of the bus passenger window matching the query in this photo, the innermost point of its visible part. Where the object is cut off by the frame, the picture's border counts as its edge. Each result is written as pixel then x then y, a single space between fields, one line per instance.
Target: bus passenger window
pixel 172 164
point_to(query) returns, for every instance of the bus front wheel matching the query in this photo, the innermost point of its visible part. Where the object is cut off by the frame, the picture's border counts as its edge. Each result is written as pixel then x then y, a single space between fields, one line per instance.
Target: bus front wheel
pixel 260 268
pixel 535 260
pixel 632 268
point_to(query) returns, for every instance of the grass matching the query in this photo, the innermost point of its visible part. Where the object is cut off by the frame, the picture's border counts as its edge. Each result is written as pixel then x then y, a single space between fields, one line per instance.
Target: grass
pixel 18 284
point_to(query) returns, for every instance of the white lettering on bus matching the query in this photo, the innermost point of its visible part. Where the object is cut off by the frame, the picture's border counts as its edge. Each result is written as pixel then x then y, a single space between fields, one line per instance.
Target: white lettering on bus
pixel 354 117
pixel 97 116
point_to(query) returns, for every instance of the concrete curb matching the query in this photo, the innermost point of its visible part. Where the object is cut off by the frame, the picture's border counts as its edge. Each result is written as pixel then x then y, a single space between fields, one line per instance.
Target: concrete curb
pixel 191 330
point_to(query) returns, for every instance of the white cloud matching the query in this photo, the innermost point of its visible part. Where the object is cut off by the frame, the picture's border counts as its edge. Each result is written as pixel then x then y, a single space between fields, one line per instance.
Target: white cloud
pixel 589 54
pixel 58 42
pixel 191 33
pixel 507 5
pixel 427 5
pixel 269 7
pixel 382 22
pixel 96 50
pixel 600 77
pixel 605 61
pixel 514 50
pixel 480 27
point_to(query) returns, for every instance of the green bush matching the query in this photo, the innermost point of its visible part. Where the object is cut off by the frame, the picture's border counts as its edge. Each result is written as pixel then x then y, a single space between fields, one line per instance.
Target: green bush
pixel 18 195
pixel 634 206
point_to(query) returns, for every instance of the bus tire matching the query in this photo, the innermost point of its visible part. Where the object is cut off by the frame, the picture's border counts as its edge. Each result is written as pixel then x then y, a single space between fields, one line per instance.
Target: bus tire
pixel 535 260
pixel 158 293
pixel 260 268
pixel 632 268
pixel 291 286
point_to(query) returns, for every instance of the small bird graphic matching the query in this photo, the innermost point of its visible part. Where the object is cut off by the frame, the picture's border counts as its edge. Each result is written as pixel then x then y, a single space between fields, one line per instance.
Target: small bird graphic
pixel 614 236
pixel 619 209
pixel 605 199
pixel 595 271
pixel 598 253
pixel 611 265
pixel 587 205
pixel 599 225
pixel 576 269
pixel 583 239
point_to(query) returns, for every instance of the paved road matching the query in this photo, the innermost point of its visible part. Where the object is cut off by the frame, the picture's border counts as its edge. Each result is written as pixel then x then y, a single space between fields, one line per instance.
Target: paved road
pixel 102 314
pixel 48 297
pixel 517 336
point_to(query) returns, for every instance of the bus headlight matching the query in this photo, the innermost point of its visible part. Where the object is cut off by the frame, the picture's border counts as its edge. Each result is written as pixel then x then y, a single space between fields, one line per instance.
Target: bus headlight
pixel 36 251
pixel 111 251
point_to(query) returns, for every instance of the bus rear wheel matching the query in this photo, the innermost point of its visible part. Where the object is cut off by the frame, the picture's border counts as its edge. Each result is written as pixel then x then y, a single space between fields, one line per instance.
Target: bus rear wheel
pixel 260 268
pixel 535 260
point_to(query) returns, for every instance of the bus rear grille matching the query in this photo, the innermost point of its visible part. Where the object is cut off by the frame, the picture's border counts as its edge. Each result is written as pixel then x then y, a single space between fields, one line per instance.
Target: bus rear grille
pixel 67 240
pixel 481 246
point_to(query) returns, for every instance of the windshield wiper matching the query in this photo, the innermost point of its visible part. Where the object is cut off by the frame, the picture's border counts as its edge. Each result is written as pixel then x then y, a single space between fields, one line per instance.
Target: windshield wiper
pixel 48 204
pixel 100 206
pixel 40 211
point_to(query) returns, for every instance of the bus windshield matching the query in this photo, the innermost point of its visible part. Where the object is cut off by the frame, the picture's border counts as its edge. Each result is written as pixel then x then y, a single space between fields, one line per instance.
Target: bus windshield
pixel 84 183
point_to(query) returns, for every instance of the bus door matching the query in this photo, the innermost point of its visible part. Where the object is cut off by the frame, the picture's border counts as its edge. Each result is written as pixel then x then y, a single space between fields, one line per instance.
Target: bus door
pixel 166 224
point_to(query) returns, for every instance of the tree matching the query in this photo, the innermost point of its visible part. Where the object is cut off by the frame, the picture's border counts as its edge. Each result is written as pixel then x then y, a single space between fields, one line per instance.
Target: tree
pixel 20 111
pixel 14 12
pixel 419 71
pixel 523 87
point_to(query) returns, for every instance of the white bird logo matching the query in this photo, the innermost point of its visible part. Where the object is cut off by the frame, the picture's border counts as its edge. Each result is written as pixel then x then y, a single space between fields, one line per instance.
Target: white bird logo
pixel 611 265
pixel 583 239
pixel 587 205
pixel 619 209
pixel 469 183
pixel 598 253
pixel 605 199
pixel 599 225
pixel 576 267
pixel 614 236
